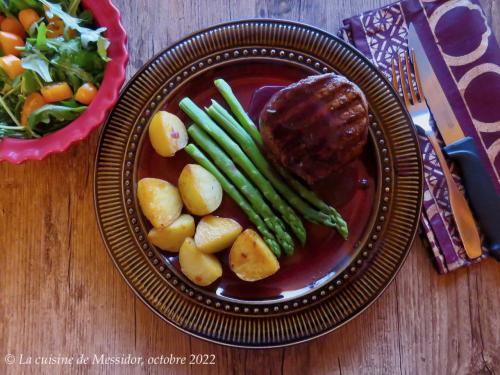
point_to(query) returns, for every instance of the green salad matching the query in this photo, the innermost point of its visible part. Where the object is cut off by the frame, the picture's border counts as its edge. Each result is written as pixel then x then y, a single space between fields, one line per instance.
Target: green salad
pixel 52 61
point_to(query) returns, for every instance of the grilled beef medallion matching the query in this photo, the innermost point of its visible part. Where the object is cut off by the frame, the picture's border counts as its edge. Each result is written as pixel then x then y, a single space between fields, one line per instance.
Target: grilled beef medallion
pixel 316 126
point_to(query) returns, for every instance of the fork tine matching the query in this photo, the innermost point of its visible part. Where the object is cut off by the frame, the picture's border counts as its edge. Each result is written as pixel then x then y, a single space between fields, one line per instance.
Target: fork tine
pixel 417 75
pixel 394 76
pixel 410 80
pixel 403 81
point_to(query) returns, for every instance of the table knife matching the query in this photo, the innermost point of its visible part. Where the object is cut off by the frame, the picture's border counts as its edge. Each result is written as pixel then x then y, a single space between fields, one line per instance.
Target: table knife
pixel 484 200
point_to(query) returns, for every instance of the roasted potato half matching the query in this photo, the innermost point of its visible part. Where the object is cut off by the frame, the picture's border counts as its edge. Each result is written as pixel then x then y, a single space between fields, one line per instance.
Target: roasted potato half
pixel 202 269
pixel 167 133
pixel 172 237
pixel 160 201
pixel 200 191
pixel 251 259
pixel 215 233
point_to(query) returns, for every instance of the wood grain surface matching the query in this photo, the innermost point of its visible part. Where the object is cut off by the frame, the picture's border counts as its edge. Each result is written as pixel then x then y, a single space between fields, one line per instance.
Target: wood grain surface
pixel 60 294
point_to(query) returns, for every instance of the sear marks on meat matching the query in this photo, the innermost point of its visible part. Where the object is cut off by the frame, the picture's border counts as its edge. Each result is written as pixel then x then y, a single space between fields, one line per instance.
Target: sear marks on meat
pixel 316 126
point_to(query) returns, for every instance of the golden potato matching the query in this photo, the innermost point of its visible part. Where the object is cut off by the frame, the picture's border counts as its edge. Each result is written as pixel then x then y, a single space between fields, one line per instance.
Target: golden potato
pixel 202 269
pixel 172 237
pixel 251 259
pixel 167 133
pixel 215 233
pixel 200 191
pixel 160 201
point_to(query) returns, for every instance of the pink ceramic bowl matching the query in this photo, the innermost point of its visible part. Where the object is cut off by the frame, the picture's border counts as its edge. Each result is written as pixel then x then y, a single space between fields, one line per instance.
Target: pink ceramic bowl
pixel 17 150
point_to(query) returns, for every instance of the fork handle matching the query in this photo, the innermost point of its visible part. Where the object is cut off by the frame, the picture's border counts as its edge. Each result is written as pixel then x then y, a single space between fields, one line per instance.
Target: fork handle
pixel 461 212
pixel 483 197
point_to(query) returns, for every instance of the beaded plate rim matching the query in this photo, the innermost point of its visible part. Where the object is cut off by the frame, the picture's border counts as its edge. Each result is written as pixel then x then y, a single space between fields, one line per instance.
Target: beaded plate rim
pixel 157 271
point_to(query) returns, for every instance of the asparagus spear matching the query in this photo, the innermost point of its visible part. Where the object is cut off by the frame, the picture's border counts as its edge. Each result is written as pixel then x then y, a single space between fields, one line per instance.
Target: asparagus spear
pixel 315 200
pixel 233 128
pixel 238 110
pixel 244 185
pixel 231 190
pixel 239 157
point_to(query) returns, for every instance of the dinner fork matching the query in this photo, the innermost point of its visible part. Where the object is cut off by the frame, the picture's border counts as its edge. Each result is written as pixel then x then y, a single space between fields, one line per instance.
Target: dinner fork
pixel 411 89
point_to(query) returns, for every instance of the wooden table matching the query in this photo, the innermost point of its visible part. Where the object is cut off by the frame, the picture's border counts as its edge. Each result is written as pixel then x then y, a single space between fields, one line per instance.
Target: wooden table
pixel 62 296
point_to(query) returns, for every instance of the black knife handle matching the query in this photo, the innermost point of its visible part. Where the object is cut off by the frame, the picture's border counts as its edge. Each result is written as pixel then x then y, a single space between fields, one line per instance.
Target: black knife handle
pixel 484 200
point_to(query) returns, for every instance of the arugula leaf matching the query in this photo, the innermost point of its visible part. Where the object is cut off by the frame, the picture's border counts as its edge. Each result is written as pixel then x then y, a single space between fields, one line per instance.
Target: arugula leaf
pixel 38 64
pixel 41 37
pixel 29 83
pixel 72 52
pixel 87 35
pixel 90 61
pixel 102 47
pixel 57 44
pixel 69 68
pixel 55 10
pixel 69 47
pixel 73 60
pixel 53 112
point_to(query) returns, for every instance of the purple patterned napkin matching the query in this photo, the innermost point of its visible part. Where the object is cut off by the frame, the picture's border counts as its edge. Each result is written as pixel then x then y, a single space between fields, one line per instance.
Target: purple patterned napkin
pixel 466 58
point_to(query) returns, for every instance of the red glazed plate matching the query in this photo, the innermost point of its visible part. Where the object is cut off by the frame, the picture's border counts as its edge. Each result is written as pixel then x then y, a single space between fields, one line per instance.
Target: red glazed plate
pixel 18 150
pixel 353 192
pixel 324 284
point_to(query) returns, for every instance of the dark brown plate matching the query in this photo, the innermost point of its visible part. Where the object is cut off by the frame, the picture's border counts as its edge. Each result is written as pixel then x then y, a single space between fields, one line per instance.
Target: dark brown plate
pixel 323 284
